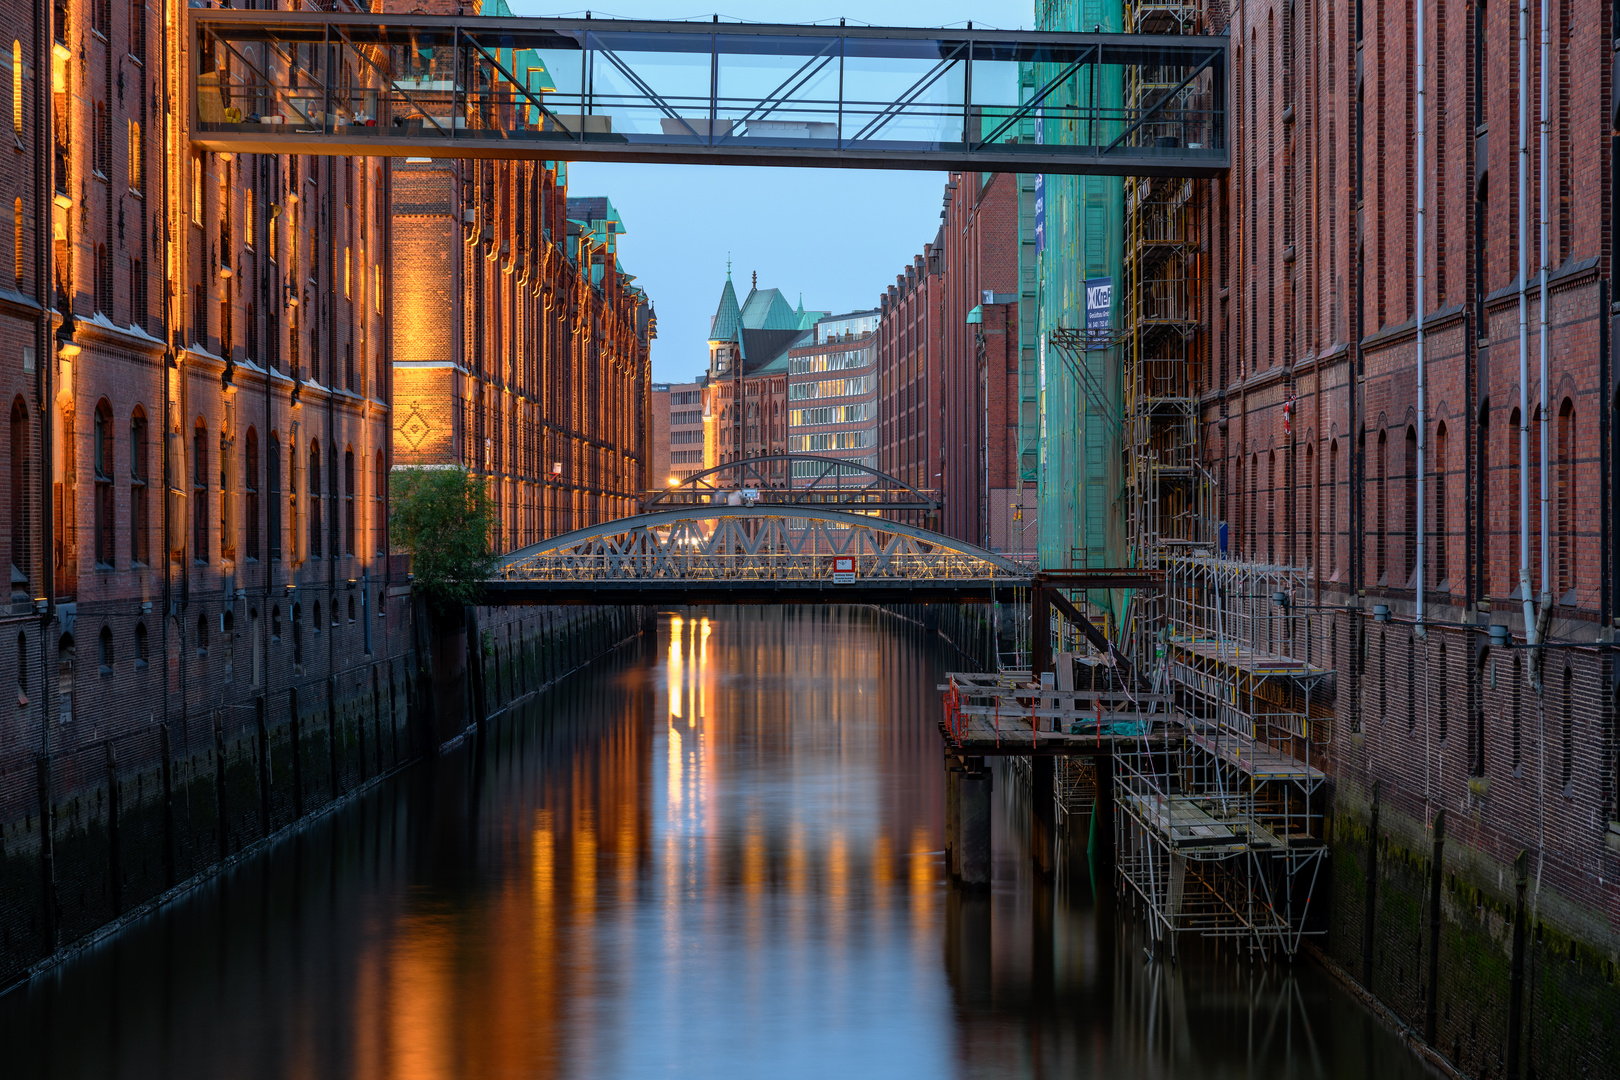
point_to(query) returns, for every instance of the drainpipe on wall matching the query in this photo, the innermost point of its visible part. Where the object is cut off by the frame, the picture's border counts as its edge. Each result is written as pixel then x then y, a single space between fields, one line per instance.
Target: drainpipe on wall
pixel 1546 124
pixel 1422 302
pixel 1524 332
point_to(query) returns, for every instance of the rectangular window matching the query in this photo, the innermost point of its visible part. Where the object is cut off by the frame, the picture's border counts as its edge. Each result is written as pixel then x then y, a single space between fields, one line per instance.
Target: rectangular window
pixel 273 462
pixel 249 227
pixel 376 289
pixel 348 276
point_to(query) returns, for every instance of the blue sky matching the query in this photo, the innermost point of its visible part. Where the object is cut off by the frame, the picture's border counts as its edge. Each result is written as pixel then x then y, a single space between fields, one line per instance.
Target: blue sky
pixel 838 236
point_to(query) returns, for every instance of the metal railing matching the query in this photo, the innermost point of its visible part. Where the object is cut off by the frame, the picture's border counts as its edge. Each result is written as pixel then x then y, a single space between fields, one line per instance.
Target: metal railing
pixel 726 93
pixel 702 545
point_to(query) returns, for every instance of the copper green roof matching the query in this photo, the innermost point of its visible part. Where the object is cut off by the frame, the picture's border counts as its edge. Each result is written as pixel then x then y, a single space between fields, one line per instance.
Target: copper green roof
pixel 727 317
pixel 768 309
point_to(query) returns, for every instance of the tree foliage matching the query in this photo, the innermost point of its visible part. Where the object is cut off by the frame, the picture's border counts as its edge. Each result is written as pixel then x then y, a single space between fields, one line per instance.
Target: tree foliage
pixel 444 518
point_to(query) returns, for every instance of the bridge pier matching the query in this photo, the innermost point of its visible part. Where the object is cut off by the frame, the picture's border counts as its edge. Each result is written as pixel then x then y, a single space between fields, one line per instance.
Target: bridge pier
pixel 967 821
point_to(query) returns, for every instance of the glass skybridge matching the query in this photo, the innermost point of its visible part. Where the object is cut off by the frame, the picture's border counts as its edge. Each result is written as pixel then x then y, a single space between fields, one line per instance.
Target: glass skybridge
pixel 312 82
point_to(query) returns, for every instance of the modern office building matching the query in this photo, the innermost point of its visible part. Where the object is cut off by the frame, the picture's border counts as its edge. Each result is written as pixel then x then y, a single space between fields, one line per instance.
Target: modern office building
pixel 677 432
pixel 833 393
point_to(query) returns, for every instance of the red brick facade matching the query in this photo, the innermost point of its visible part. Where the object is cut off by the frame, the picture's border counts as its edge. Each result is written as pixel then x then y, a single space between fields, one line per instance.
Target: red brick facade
pixel 1310 424
pixel 911 379
pixel 526 355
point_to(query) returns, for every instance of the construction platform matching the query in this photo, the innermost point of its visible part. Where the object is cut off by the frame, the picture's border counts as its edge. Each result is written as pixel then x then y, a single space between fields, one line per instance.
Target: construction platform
pixel 988 714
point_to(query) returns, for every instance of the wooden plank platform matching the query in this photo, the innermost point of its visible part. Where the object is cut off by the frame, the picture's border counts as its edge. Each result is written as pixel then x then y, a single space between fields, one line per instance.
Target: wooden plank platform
pixel 1248 661
pixel 982 736
pixel 1257 761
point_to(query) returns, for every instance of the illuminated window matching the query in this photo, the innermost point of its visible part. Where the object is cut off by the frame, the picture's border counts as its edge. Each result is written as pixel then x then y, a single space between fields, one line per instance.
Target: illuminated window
pixel 137 165
pixel 248 230
pixel 348 276
pixel 17 240
pixel 16 87
pixel 376 291
pixel 196 191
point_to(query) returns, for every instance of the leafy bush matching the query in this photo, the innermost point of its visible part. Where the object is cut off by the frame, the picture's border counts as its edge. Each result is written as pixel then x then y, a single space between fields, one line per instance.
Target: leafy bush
pixel 444 518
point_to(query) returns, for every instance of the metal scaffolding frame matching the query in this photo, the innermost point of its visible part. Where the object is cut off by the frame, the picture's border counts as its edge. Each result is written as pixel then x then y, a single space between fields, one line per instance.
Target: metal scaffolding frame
pixel 1219 833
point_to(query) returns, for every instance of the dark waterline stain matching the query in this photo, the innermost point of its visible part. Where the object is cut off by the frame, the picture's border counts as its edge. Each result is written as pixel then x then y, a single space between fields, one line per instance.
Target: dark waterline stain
pixel 716 854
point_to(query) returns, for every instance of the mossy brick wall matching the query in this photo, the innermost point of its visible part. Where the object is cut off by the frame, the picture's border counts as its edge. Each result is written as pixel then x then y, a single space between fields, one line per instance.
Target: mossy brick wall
pixel 1572 1003
pixel 131 821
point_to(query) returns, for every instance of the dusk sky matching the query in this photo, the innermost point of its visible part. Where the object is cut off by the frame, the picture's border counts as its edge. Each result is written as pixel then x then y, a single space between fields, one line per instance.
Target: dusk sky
pixel 837 235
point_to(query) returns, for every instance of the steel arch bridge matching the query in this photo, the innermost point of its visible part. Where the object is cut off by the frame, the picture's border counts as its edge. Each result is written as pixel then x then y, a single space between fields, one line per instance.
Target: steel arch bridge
pixel 810 479
pixel 753 555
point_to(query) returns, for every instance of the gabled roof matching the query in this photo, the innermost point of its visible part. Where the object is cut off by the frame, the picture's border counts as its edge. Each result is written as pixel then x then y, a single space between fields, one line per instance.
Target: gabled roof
pixel 727 317
pixel 761 347
pixel 768 309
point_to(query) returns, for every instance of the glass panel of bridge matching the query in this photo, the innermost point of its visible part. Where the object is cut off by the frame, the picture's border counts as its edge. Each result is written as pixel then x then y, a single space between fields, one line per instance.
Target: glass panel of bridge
pixel 1006 111
pixel 651 88
pixel 904 94
pixel 777 90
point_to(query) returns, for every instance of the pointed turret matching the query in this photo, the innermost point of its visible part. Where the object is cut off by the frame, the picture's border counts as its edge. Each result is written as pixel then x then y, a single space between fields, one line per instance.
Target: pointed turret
pixel 727 317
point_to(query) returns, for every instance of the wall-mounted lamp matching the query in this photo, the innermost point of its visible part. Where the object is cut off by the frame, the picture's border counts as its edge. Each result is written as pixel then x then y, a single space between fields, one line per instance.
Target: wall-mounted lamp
pixel 1380 613
pixel 1500 638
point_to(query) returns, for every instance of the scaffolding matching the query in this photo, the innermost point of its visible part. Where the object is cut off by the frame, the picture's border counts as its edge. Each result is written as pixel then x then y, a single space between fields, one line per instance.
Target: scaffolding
pixel 1218 830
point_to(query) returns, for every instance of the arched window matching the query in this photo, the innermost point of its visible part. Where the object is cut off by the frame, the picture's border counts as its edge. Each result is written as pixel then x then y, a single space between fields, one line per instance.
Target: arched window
pixel 65 655
pixel 140 645
pixel 253 643
pixel 227 635
pixel 105 646
pixel 316 621
pixel 348 501
pixel 19 495
pixel 227 495
pixel 275 624
pixel 202 634
pixel 1567 548
pixel 1442 566
pixel 1271 507
pixel 17 240
pixel 1442 706
pixel 1488 545
pixel 1333 507
pixel 104 489
pixel 351 609
pixel 138 461
pixel 199 492
pixel 273 521
pixel 251 494
pixel 1409 562
pixel 1512 538
pixel 1380 548
pixel 379 492
pixel 22 670
pixel 1312 557
pixel 1569 726
pixel 314 510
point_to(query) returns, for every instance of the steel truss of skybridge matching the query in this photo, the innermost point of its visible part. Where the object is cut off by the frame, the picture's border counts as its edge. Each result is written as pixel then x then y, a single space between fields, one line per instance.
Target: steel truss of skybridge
pixel 318 82
pixel 753 555
pixel 795 480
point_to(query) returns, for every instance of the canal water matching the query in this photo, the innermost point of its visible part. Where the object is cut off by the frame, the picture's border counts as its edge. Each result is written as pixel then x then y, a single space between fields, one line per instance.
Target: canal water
pixel 713 855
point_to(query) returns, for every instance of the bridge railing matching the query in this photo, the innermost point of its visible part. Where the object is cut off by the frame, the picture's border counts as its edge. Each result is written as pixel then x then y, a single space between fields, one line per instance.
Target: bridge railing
pixel 451 86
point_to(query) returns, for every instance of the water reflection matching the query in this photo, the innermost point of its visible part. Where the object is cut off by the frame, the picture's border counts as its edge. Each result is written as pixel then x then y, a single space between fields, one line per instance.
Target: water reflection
pixel 719 857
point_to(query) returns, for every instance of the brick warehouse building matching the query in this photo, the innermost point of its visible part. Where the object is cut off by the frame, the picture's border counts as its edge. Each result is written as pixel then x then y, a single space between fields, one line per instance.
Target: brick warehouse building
pixel 911 381
pixel 1305 377
pixel 526 358
pixel 199 384
pixel 980 484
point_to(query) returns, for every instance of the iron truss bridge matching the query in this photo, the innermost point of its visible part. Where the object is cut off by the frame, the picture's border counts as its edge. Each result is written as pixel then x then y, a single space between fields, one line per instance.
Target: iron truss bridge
pixel 753 555
pixel 794 480
pixel 316 82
